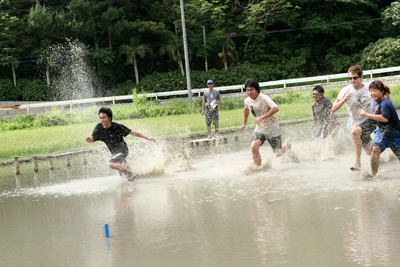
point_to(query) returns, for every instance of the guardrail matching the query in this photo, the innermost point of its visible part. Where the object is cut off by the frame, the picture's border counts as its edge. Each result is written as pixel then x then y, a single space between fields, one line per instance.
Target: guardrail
pixel 112 99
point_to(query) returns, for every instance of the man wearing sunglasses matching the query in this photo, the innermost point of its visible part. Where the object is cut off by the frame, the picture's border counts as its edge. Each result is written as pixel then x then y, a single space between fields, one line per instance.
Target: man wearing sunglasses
pixel 357 97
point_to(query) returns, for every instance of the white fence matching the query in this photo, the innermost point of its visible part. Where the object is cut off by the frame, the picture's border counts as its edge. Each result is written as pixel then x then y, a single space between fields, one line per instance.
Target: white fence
pixel 240 88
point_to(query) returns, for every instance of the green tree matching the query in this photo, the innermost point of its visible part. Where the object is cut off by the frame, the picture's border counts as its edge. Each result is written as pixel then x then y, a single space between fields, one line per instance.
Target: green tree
pixel 10 29
pixel 392 13
pixel 88 22
pixel 115 23
pixel 381 54
pixel 258 13
pixel 228 48
pixel 45 23
pixel 131 50
pixel 44 57
pixel 174 48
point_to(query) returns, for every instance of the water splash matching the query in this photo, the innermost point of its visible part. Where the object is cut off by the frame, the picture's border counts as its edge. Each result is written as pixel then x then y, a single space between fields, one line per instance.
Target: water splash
pixel 70 71
pixel 252 168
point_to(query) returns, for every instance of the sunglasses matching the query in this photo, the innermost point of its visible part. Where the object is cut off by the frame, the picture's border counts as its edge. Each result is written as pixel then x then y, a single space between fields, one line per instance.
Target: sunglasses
pixel 353 78
pixel 315 93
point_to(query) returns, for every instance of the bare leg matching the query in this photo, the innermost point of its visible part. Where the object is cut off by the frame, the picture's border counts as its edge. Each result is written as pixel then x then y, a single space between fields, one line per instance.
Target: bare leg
pixel 123 170
pixel 357 144
pixel 368 149
pixel 282 151
pixel 209 131
pixel 216 128
pixel 118 166
pixel 376 151
pixel 255 149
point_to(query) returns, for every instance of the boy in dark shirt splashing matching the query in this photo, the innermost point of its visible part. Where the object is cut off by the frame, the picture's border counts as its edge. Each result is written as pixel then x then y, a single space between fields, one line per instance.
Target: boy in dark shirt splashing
pixel 112 134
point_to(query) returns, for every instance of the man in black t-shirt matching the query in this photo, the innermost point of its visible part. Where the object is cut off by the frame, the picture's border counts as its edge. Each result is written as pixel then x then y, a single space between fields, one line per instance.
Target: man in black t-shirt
pixel 112 134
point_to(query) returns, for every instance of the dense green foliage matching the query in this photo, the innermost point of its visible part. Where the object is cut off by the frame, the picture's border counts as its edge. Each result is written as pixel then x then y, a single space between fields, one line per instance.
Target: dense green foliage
pixel 130 42
pixel 382 54
pixel 26 90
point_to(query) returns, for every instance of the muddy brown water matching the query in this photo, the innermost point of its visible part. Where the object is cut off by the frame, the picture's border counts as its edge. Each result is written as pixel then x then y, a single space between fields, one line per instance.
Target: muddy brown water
pixel 218 212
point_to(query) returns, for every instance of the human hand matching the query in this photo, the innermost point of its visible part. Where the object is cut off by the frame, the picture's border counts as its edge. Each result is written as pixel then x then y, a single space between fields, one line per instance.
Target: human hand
pixel 89 139
pixel 202 112
pixel 151 139
pixel 259 120
pixel 363 113
pixel 243 127
pixel 347 96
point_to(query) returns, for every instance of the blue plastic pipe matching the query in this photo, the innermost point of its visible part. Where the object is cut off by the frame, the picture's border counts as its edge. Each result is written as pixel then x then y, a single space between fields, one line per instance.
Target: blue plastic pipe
pixel 106 230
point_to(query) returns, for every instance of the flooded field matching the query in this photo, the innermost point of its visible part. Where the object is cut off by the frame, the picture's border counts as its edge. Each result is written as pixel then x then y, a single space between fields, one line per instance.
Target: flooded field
pixel 209 207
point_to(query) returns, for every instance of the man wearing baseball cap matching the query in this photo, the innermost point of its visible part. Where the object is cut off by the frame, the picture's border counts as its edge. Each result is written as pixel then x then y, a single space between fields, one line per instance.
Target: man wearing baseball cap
pixel 211 99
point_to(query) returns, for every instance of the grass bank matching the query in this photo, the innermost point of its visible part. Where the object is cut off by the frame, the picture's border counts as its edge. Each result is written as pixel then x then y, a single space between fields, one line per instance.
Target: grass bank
pixel 42 141
pixel 57 139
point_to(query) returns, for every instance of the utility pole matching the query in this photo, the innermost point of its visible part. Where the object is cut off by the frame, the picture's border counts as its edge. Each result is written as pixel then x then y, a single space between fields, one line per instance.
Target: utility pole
pixel 188 81
pixel 205 47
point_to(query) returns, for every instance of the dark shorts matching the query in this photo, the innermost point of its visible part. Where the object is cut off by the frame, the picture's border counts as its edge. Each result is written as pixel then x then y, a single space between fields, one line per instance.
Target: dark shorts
pixel 212 116
pixel 367 128
pixel 275 142
pixel 118 157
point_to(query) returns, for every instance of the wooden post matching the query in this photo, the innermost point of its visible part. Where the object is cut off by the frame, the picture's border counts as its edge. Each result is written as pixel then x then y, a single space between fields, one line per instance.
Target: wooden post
pixel 68 166
pixel 85 171
pixel 17 173
pixel 51 168
pixel 237 140
pixel 104 159
pixel 35 170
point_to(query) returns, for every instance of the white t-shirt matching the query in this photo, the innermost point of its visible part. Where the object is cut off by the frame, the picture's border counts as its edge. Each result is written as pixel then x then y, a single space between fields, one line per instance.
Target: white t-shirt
pixel 269 126
pixel 360 99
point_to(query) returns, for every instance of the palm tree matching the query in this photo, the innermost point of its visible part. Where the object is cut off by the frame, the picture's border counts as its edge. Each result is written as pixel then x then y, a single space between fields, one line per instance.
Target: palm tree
pixel 228 49
pixel 174 48
pixel 135 48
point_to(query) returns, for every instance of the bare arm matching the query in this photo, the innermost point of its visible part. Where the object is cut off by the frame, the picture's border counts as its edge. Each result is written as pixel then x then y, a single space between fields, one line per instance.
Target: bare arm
pixel 332 115
pixel 314 121
pixel 246 113
pixel 89 139
pixel 204 105
pixel 339 103
pixel 270 113
pixel 142 136
pixel 375 117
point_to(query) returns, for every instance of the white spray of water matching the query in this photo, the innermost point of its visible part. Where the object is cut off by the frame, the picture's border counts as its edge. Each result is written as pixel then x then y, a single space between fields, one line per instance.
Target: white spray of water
pixel 70 71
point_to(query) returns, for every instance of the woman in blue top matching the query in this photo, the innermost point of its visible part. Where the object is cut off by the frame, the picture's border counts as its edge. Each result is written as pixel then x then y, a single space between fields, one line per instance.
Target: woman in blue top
pixel 385 116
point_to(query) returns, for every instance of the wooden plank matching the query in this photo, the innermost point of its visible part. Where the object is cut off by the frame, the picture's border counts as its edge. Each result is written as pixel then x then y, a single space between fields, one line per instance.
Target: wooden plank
pixel 200 140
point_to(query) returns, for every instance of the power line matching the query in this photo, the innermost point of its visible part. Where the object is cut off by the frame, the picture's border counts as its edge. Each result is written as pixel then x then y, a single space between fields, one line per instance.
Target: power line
pixel 240 35
pixel 17 62
pixel 289 30
pixel 57 7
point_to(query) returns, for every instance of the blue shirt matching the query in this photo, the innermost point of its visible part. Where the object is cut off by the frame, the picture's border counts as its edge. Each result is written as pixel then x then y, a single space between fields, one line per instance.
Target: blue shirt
pixel 386 108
